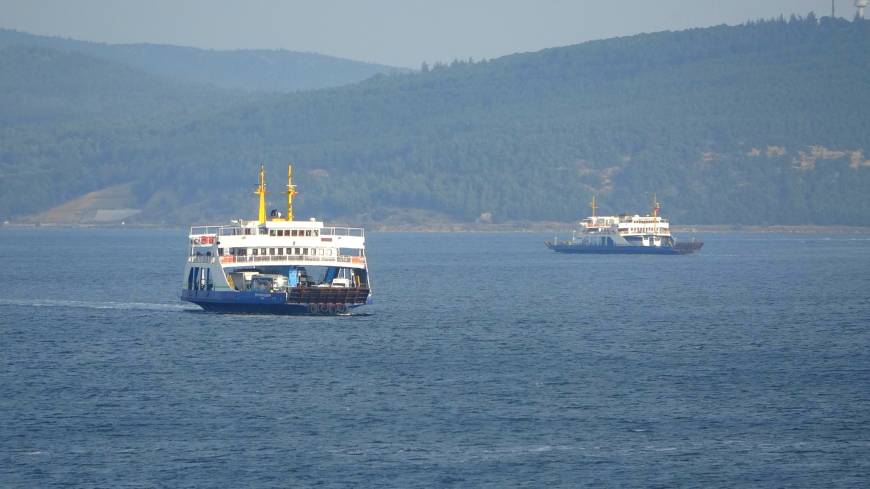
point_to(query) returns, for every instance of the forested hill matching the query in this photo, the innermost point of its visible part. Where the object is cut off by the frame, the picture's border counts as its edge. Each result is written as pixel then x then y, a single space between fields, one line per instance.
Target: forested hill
pixel 275 70
pixel 48 87
pixel 763 123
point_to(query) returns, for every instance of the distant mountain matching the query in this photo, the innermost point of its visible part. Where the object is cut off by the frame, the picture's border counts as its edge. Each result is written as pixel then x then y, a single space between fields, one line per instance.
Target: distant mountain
pixel 46 86
pixel 755 124
pixel 246 69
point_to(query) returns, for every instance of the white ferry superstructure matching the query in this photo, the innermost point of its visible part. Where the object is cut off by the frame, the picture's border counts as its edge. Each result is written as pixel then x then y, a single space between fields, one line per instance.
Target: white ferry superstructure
pixel 277 265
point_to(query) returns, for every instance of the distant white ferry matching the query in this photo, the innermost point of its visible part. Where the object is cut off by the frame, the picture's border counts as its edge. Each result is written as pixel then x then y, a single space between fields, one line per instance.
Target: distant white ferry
pixel 624 234
pixel 276 265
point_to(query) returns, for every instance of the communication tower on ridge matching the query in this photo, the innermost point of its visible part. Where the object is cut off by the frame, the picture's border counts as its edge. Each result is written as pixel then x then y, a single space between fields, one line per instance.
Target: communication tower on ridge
pixel 861 5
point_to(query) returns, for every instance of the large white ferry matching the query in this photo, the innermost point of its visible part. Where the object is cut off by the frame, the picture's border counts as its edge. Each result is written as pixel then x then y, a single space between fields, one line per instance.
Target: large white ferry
pixel 624 234
pixel 277 265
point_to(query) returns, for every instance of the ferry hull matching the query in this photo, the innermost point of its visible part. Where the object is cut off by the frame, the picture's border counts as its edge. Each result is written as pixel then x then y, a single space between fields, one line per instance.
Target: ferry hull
pixel 621 250
pixel 266 303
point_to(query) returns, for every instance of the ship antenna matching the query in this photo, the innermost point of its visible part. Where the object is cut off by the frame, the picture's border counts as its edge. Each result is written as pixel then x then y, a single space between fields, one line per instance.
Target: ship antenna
pixel 593 206
pixel 291 192
pixel 261 191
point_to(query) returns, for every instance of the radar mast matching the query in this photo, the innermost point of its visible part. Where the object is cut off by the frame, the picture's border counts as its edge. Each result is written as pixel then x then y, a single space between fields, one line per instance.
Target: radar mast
pixel 261 191
pixel 291 192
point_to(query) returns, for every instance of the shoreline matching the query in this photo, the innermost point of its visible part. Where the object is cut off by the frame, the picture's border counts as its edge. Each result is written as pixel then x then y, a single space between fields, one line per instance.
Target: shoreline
pixel 507 227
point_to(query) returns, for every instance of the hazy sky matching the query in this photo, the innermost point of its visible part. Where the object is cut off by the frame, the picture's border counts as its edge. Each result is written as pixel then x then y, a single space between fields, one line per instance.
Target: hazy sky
pixel 395 32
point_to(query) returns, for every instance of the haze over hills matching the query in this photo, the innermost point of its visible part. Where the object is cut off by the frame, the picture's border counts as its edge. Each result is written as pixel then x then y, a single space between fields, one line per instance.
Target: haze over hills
pixel 754 124
pixel 49 87
pixel 245 69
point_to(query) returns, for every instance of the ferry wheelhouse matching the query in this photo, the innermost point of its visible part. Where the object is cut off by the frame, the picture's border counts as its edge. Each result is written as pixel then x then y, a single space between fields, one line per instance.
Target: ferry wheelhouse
pixel 277 265
pixel 624 234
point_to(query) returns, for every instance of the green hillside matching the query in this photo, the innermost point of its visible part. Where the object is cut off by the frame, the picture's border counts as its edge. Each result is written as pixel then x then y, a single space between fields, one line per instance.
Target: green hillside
pixel 49 87
pixel 755 124
pixel 274 70
pixel 61 112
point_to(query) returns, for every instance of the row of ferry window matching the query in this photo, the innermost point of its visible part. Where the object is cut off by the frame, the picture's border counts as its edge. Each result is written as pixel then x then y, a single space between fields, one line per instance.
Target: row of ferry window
pixel 279 251
pixel 294 232
pixel 272 232
pixel 640 230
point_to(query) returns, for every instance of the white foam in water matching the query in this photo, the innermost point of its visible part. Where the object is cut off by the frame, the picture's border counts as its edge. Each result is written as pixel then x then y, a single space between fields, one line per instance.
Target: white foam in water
pixel 148 306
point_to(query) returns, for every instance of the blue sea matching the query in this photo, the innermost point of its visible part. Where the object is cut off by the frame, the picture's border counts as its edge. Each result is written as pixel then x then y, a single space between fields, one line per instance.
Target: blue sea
pixel 486 360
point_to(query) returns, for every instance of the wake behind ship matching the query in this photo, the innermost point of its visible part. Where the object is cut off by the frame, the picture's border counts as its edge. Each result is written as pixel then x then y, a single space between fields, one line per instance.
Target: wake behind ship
pixel 624 234
pixel 276 265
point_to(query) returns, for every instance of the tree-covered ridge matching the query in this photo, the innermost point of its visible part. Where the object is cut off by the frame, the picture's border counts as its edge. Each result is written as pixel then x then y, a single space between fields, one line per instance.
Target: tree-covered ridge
pixel 50 87
pixel 275 70
pixel 689 115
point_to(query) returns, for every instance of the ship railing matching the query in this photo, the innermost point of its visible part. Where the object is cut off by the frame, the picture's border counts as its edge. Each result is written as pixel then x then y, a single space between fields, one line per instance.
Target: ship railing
pixel 201 259
pixel 224 230
pixel 337 231
pixel 239 230
pixel 201 230
pixel 226 259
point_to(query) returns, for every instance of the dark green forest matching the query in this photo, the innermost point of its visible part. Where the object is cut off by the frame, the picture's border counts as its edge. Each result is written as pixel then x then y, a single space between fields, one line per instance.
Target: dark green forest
pixel 762 123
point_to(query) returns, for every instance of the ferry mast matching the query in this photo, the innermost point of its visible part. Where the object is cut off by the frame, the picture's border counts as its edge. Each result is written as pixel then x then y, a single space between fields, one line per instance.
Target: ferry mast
pixel 291 192
pixel 261 192
pixel 594 207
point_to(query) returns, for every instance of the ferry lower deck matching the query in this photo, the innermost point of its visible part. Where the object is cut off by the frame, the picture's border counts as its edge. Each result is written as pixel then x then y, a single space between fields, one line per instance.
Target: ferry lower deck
pixel 293 301
pixel 613 250
pixel 581 248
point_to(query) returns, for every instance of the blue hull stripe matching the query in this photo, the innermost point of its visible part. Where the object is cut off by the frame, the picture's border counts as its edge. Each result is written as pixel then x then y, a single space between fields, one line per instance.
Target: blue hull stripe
pixel 245 302
pixel 616 250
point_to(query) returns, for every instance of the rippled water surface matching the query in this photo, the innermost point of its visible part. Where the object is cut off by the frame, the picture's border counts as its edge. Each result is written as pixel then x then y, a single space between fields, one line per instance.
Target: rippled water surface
pixel 486 361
